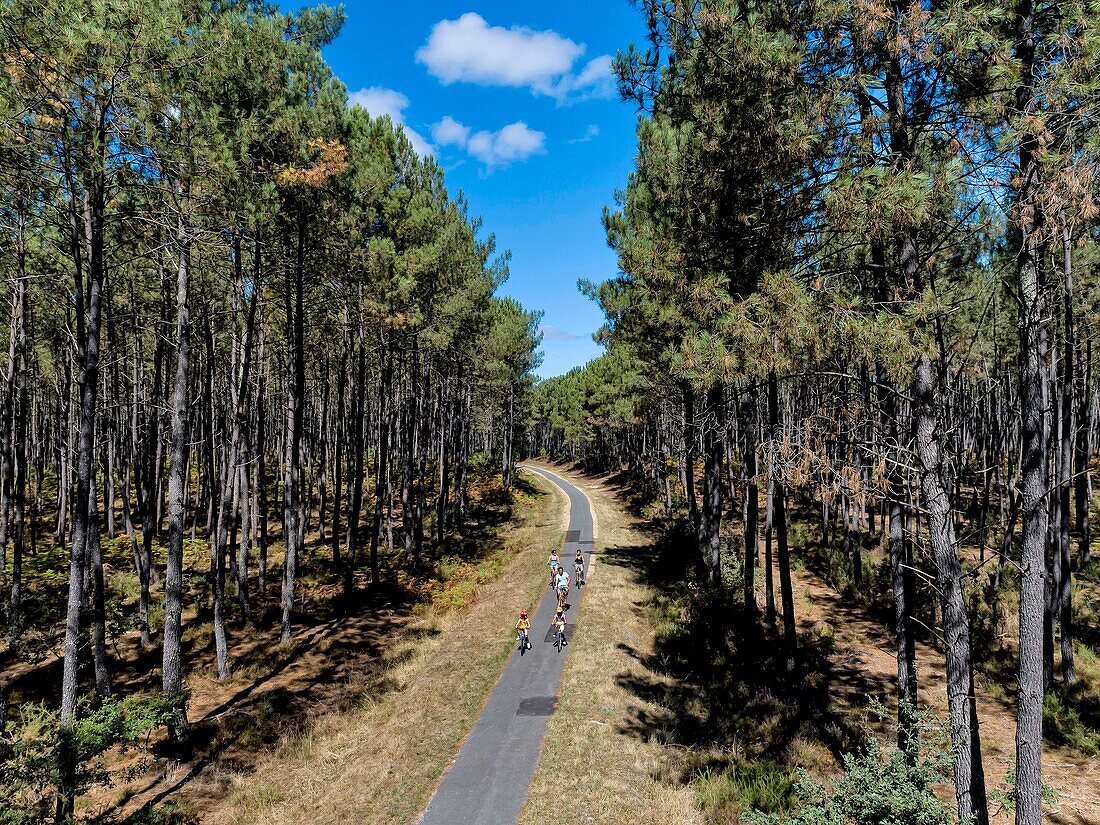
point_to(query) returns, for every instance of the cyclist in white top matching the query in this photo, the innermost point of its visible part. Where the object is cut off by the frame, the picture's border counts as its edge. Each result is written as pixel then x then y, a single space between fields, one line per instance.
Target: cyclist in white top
pixel 562 579
pixel 553 562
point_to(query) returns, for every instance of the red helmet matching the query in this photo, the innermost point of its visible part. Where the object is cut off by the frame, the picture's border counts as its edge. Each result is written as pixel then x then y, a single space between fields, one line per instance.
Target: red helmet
pixel 523 614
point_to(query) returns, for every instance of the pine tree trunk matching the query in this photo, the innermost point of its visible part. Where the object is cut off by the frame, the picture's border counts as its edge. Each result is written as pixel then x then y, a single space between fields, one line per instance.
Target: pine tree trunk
pixel 217 485
pixel 177 490
pixel 1053 559
pixel 1064 593
pixel 902 578
pixel 408 432
pixel 509 432
pixel 752 495
pixel 19 429
pixel 711 543
pixel 244 419
pixel 99 617
pixel 769 565
pixel 1082 453
pixel 7 434
pixel 355 485
pixel 961 706
pixel 88 336
pixel 148 484
pixel 292 515
pixel 260 474
pixel 779 517
pixel 382 472
pixel 689 444
pixel 1034 397
pixel 339 449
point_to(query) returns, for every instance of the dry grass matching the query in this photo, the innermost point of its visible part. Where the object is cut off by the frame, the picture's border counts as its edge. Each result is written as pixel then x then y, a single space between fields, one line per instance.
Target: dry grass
pixel 591 760
pixel 380 762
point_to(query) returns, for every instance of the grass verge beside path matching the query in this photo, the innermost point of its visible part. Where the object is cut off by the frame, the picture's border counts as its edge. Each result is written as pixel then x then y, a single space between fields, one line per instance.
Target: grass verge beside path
pixel 380 763
pixel 593 760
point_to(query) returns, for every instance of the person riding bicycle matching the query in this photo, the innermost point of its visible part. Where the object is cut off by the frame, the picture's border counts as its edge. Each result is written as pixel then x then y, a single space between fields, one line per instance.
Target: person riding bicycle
pixel 562 579
pixel 522 626
pixel 553 562
pixel 578 568
pixel 562 582
pixel 559 625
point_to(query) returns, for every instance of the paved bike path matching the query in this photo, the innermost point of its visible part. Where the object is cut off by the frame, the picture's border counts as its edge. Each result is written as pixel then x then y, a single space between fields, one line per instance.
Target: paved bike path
pixel 488 781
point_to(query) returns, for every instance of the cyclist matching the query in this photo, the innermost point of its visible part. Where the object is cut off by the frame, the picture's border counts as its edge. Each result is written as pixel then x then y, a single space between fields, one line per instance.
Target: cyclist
pixel 559 628
pixel 578 568
pixel 553 562
pixel 522 626
pixel 562 580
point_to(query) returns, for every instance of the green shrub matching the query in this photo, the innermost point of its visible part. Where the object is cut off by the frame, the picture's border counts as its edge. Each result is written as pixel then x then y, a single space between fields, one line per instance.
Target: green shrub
pixel 744 786
pixel 731 557
pixel 170 813
pixel 878 787
pixel 29 769
pixel 1062 725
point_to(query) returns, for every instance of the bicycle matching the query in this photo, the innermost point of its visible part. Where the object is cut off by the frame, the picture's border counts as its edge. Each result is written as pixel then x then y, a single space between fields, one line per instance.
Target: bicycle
pixel 524 643
pixel 578 575
pixel 559 640
pixel 563 597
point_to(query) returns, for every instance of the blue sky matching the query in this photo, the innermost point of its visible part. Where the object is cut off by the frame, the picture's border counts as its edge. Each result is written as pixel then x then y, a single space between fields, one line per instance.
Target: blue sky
pixel 515 101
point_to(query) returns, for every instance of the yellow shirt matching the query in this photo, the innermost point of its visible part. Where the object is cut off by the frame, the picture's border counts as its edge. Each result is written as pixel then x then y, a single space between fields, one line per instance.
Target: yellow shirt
pixel 523 624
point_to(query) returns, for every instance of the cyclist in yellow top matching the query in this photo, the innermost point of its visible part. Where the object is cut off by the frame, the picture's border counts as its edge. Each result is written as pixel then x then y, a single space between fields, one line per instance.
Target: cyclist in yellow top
pixel 522 626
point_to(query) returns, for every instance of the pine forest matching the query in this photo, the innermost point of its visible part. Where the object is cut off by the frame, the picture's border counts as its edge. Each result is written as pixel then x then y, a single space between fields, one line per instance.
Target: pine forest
pixel 274 435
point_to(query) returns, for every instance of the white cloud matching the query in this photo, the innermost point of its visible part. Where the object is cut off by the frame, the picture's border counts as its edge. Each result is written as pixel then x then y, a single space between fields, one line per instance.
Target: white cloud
pixel 379 101
pixel 591 133
pixel 516 141
pixel 552 333
pixel 596 79
pixel 470 50
pixel 449 132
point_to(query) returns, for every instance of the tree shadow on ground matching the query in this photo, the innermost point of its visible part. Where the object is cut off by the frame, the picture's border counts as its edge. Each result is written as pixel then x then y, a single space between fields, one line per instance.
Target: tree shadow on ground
pixel 720 682
pixel 333 664
pixel 486 516
pixel 343 653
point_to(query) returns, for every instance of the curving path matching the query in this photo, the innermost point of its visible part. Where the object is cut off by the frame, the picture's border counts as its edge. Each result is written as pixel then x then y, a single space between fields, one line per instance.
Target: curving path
pixel 488 781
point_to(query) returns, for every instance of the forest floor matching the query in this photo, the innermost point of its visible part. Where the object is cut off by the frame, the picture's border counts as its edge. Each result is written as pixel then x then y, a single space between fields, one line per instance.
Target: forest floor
pixel 645 732
pixel 376 759
pixel 386 674
pixel 865 664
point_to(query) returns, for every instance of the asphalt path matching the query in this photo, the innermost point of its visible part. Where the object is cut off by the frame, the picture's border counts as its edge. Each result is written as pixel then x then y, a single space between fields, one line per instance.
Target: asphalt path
pixel 488 781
